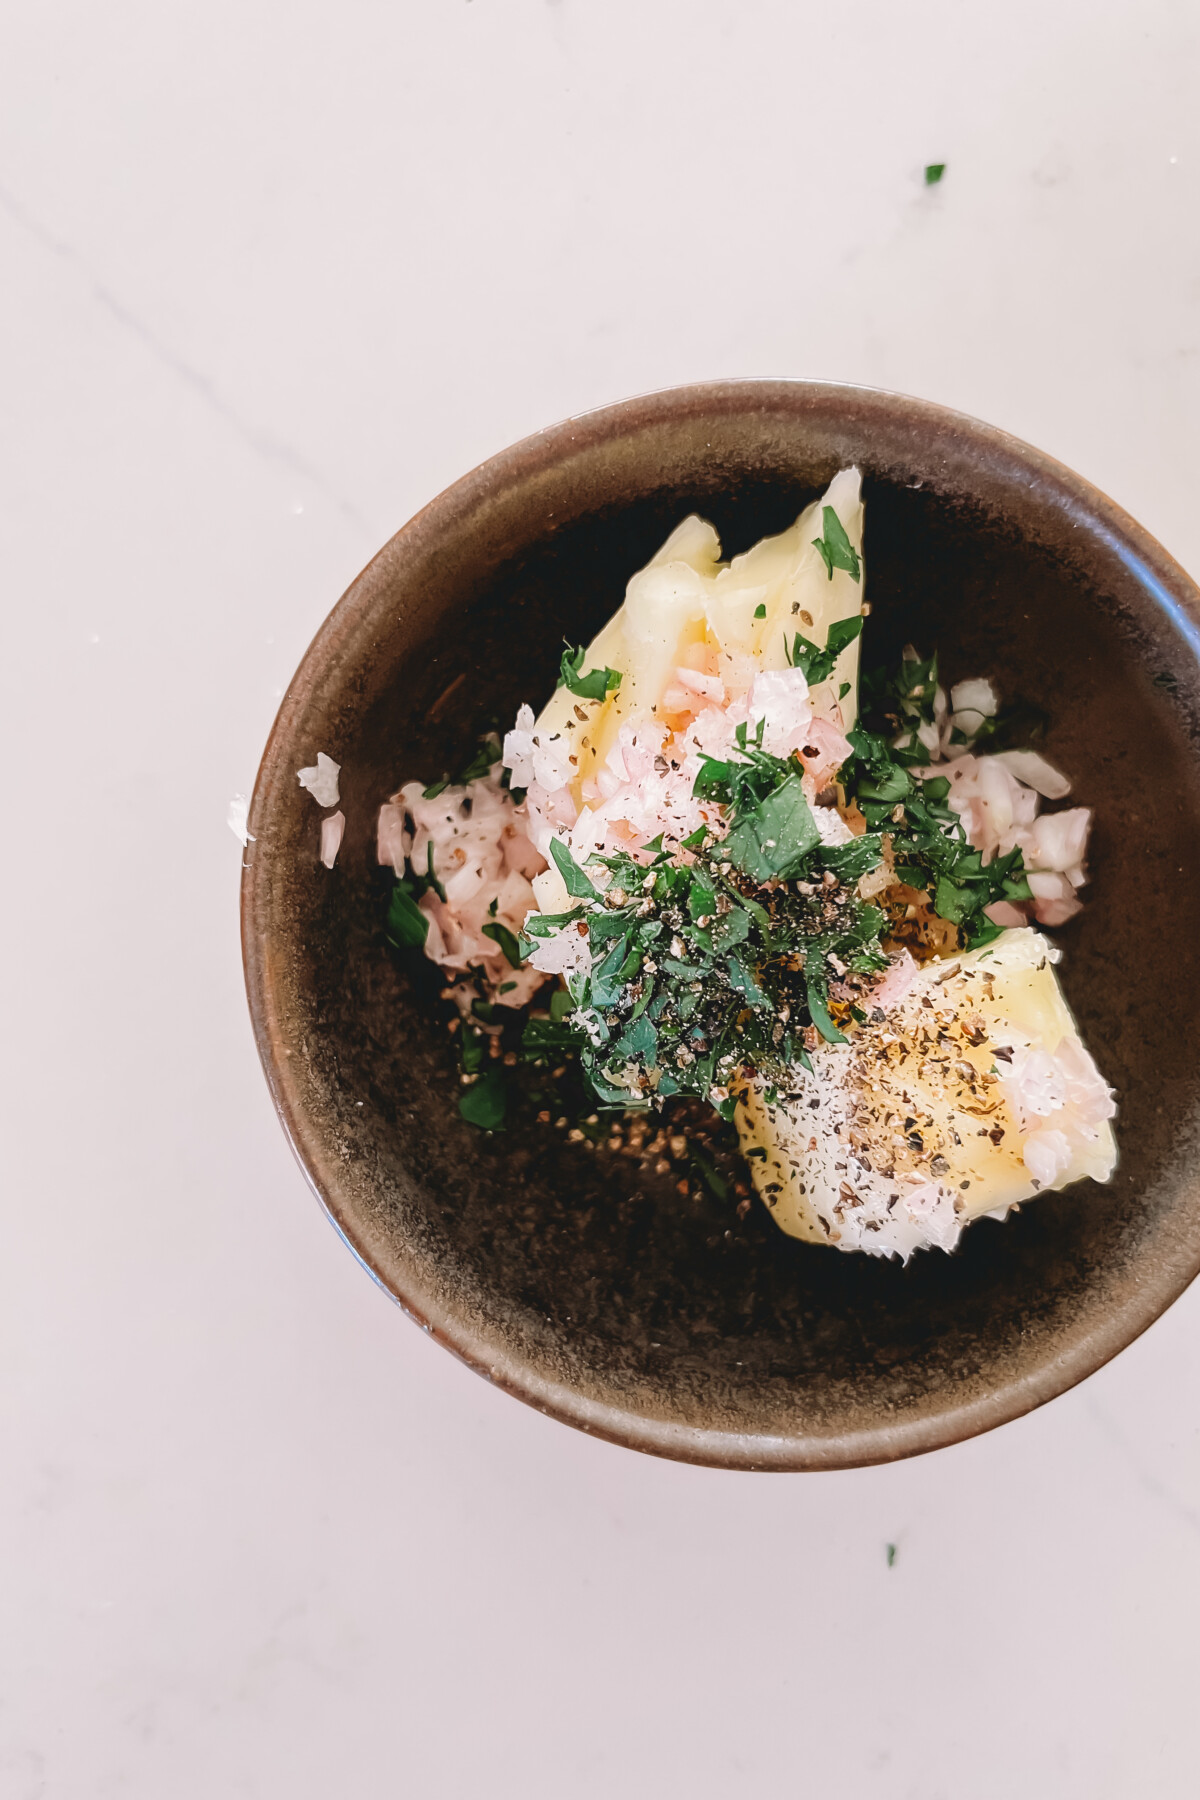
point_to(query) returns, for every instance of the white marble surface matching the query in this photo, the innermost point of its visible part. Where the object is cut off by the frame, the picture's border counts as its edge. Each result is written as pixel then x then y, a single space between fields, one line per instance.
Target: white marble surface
pixel 273 275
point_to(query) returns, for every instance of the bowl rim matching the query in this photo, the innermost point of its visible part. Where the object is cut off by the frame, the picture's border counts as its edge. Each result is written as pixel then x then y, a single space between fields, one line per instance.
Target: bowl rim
pixel 1090 1344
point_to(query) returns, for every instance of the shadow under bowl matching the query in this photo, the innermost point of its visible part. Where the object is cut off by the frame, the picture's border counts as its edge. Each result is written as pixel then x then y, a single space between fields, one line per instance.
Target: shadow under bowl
pixel 620 1306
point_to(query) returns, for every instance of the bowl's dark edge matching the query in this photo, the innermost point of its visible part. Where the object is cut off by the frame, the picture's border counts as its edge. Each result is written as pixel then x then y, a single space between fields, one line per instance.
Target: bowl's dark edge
pixel 1133 1310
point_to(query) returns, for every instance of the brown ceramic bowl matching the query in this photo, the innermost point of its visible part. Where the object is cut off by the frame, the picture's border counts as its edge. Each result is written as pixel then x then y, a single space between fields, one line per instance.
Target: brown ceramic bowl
pixel 629 1311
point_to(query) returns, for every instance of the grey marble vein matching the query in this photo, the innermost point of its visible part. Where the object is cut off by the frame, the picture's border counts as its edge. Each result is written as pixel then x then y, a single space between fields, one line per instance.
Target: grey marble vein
pixel 261 442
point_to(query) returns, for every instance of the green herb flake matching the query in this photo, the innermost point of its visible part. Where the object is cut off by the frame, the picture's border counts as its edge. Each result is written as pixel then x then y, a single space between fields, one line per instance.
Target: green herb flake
pixel 817 665
pixel 500 934
pixel 407 925
pixel 775 924
pixel 821 1018
pixel 760 612
pixel 715 1182
pixel 730 928
pixel 577 883
pixel 597 684
pixel 836 550
pixel 561 1005
pixel 742 980
pixel 713 777
pixel 702 898
pixel 540 1037
pixel 776 838
pixel 631 965
pixel 485 758
pixel 851 861
pixel 638 1042
pixel 485 1104
pixel 431 876
pixel 934 173
pixel 606 980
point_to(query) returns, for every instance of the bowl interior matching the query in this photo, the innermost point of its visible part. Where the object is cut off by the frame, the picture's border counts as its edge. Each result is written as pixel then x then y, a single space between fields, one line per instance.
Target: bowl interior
pixel 614 1301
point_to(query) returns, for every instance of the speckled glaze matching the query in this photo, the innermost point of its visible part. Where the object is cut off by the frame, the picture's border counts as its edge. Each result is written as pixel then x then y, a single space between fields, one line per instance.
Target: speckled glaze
pixel 625 1309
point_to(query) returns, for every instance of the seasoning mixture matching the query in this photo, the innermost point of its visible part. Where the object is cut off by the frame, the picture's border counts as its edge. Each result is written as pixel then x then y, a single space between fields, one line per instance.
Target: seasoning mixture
pixel 719 870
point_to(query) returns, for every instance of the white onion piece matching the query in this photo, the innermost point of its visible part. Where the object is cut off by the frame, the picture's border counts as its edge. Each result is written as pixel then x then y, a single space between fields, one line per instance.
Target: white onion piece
pixel 392 841
pixel 977 696
pixel 1035 772
pixel 235 818
pixel 321 779
pixel 331 837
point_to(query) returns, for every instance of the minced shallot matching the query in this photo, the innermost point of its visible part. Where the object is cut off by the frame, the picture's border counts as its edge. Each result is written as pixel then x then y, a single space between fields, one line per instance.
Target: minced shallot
pixel 321 779
pixel 474 842
pixel 235 818
pixel 332 828
pixel 998 798
pixel 1000 812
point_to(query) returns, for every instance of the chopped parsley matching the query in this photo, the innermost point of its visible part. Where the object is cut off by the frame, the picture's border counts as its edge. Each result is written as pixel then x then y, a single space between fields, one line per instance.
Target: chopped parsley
pixel 577 883
pixel 597 684
pixel 818 665
pixel 775 839
pixel 737 953
pixel 485 1103
pixel 484 758
pixel 903 700
pixel 431 876
pixel 837 552
pixel 543 1037
pixel 407 925
pixel 500 934
pixel 899 702
pixel 699 969
pixel 716 1183
pixel 934 173
pixel 759 947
